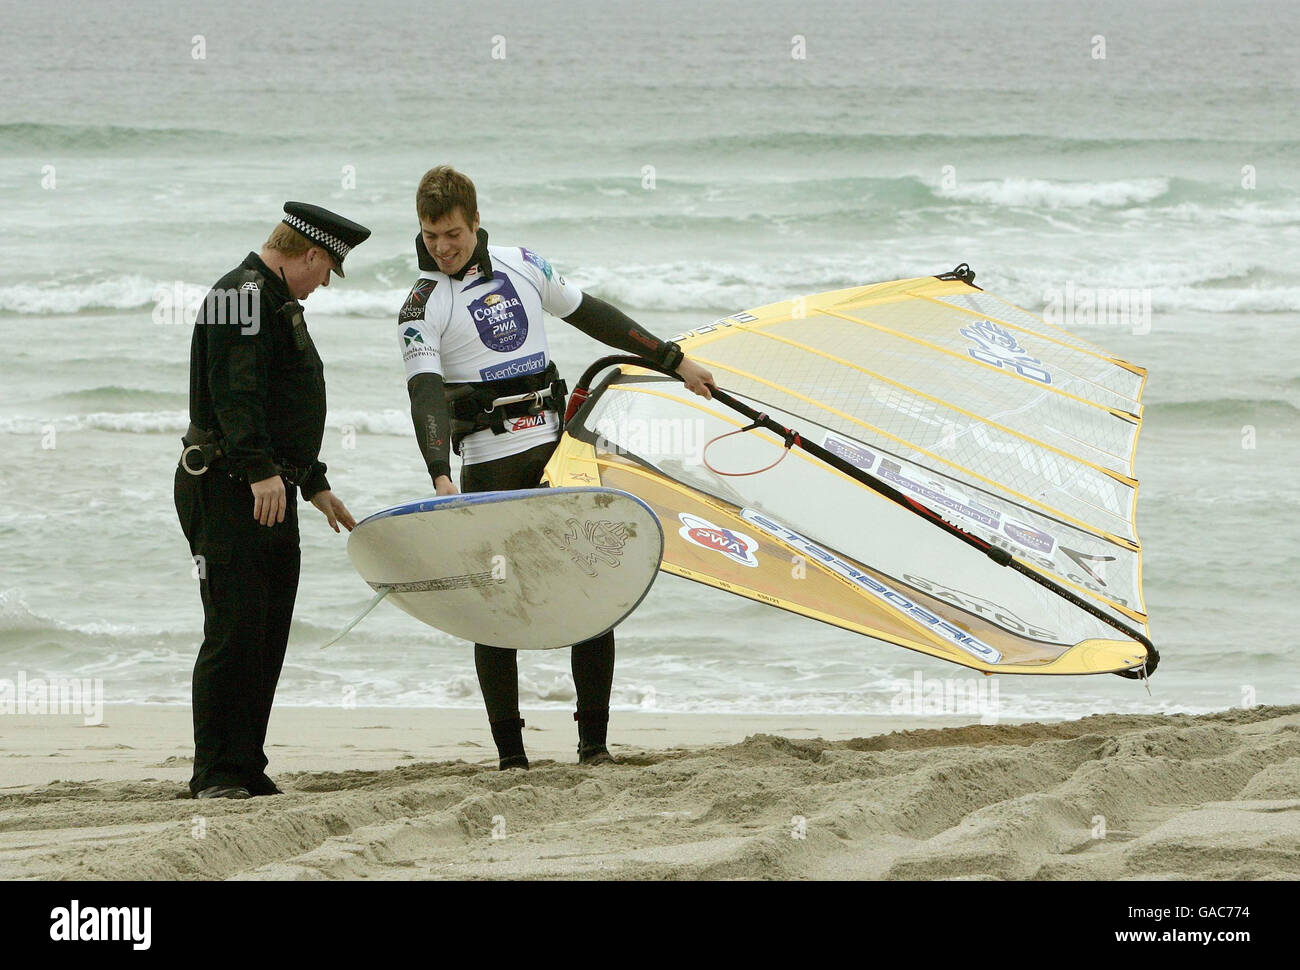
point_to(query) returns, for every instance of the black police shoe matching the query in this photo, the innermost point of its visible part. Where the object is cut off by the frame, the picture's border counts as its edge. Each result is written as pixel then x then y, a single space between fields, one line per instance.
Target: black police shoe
pixel 224 791
pixel 263 786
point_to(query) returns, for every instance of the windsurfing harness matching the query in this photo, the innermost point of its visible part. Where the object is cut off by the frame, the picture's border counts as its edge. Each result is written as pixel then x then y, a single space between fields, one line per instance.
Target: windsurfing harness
pixel 479 406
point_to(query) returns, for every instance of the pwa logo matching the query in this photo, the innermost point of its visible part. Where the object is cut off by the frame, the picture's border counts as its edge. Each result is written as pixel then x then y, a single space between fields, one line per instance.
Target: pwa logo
pixel 998 347
pixel 499 315
pixel 736 546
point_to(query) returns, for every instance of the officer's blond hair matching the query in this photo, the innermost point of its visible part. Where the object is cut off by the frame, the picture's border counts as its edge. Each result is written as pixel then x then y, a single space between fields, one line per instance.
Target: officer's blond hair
pixel 288 241
pixel 442 190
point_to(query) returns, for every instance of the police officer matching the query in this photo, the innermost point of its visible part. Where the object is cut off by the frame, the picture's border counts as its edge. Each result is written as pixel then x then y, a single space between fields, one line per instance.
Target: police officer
pixel 471 332
pixel 257 416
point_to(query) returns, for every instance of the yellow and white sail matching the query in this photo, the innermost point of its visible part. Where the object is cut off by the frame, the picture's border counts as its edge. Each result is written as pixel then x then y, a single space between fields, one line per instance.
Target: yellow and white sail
pixel 1006 427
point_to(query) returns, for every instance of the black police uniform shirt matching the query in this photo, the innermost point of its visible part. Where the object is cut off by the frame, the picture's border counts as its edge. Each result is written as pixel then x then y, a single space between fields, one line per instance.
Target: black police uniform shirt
pixel 472 330
pixel 254 382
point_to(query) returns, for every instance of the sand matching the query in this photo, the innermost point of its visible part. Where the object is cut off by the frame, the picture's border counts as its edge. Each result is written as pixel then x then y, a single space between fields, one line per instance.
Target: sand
pixel 414 794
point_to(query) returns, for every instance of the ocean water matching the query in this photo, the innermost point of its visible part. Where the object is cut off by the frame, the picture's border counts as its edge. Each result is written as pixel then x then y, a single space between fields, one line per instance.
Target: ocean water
pixel 679 161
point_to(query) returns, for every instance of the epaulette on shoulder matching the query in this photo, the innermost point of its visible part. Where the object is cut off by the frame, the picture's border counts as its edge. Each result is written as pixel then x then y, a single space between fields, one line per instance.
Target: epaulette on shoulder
pixel 250 279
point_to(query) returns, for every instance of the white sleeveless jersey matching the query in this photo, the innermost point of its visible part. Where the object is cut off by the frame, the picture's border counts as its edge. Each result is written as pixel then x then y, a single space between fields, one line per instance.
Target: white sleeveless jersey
pixel 473 330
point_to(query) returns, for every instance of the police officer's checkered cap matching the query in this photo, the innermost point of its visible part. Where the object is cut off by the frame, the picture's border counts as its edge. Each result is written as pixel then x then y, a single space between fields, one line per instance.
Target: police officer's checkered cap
pixel 334 244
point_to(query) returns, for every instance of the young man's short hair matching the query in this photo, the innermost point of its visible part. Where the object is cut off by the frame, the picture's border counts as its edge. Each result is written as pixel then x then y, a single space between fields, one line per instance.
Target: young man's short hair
pixel 442 191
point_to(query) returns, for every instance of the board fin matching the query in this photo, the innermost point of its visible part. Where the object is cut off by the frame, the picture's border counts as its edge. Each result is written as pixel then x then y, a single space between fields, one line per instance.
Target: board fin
pixel 374 601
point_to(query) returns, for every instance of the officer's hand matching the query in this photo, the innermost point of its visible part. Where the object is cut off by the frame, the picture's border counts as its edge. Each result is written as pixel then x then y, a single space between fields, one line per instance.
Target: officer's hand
pixel 445 486
pixel 696 377
pixel 336 512
pixel 268 500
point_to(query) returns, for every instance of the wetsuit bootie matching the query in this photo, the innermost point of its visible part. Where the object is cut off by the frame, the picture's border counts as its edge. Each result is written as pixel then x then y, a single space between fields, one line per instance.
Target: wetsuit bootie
pixel 508 733
pixel 592 728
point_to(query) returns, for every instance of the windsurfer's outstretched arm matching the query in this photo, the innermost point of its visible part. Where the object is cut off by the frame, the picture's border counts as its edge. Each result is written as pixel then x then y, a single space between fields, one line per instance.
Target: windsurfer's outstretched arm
pixel 613 327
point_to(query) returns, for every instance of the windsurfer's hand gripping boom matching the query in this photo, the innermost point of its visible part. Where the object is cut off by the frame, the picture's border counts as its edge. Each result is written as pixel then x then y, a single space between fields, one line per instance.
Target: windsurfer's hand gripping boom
pixel 696 378
pixel 614 328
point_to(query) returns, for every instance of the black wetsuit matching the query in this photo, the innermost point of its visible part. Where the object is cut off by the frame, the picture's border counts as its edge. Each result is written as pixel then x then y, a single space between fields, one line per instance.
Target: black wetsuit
pixel 261 386
pixel 592 661
pixel 497 668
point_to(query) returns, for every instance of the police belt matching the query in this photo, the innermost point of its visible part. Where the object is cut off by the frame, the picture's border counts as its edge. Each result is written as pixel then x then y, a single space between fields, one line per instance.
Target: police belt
pixel 206 449
pixel 477 407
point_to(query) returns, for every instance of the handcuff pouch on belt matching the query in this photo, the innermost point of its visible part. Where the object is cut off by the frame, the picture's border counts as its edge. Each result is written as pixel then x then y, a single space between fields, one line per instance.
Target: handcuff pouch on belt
pixel 474 407
pixel 203 449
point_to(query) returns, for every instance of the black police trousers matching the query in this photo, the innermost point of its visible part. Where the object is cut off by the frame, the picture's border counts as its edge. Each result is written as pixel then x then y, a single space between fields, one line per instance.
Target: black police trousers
pixel 248 580
pixel 497 667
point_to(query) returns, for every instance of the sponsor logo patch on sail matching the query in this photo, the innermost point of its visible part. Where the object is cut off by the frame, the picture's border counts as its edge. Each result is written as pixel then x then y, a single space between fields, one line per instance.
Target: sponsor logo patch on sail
pixel 997 346
pixel 736 546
